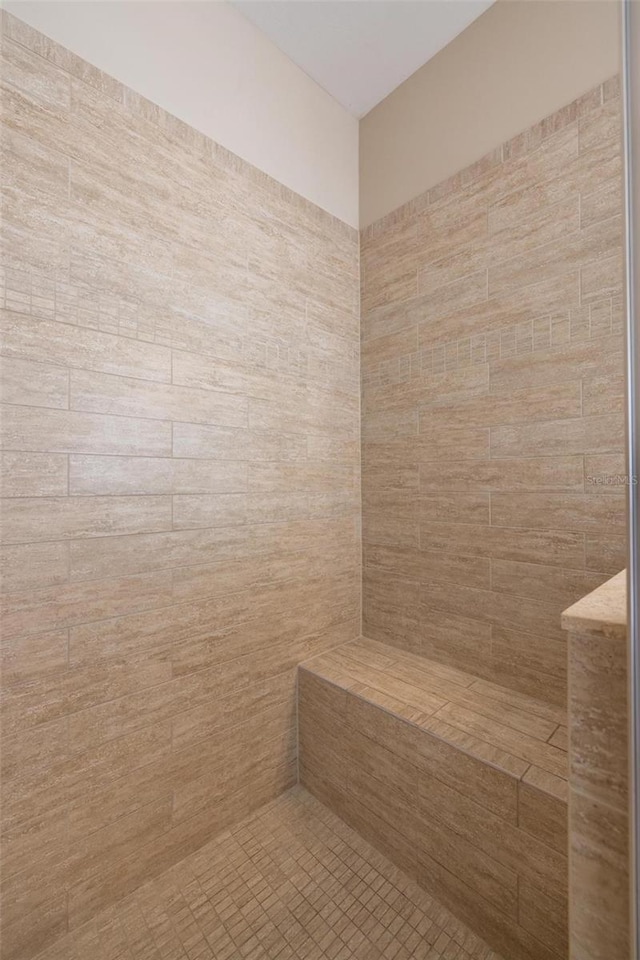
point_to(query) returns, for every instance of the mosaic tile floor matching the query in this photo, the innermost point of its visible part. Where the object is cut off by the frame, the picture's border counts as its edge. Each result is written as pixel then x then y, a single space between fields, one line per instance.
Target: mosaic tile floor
pixel 291 881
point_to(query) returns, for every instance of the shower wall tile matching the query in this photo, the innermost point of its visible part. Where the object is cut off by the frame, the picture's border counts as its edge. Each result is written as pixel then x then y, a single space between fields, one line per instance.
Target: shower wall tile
pixel 31 519
pixel 599 828
pixel 180 472
pixel 26 336
pixel 98 393
pixel 65 431
pixel 33 475
pixel 34 384
pixel 508 405
pixel 39 654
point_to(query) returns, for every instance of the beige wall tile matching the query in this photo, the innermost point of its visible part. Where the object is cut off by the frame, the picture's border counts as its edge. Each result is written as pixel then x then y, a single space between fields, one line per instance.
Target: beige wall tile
pixel 40 654
pixel 541 582
pixel 225 443
pixel 554 401
pixel 577 249
pixel 51 698
pixel 385 528
pixel 389 345
pixel 605 473
pixel 598 746
pixel 448 297
pixel 34 789
pixel 496 838
pixel 560 511
pixel 65 605
pixel 65 431
pixel 606 553
pixel 425 565
pixel 602 278
pixel 522 745
pixel 492 607
pixel 599 879
pixel 543 473
pixel 27 519
pixel 434 443
pixel 544 816
pixel 514 305
pixel 139 553
pixel 540 546
pixel 601 204
pixel 584 435
pixel 460 641
pixel 536 358
pixel 73 346
pixel 398 282
pixel 99 393
pixel 43 83
pixel 205 510
pixel 455 508
pixel 317 478
pixel 531 663
pixel 544 916
pixel 566 361
pixel 33 475
pixel 453 385
pixel 26 937
pixel 491 880
pixel 390 426
pixel 30 566
pixel 105 847
pixel 42 836
pixel 135 635
pixel 512 941
pixel 34 384
pixel 489 786
pixel 154 475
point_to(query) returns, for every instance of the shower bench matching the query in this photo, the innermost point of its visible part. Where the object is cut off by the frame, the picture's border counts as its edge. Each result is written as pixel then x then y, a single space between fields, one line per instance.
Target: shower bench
pixel 460 782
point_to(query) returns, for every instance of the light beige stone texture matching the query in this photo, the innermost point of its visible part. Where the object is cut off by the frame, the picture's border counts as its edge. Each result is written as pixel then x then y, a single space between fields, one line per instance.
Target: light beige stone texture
pixel 180 474
pixel 462 783
pixel 599 834
pixel 492 402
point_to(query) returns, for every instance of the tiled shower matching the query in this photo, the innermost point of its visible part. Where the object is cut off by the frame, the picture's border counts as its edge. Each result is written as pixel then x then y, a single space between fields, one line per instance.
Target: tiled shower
pixel 493 395
pixel 240 436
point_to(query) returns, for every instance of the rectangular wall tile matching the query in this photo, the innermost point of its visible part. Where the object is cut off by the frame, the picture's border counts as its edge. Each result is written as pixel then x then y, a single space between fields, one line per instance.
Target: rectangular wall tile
pixel 560 511
pixel 33 565
pixel 34 384
pixel 585 435
pixel 91 476
pixel 180 475
pixel 519 346
pixel 528 473
pixel 65 431
pixel 33 474
pixel 99 393
pixel 225 443
pixel 74 346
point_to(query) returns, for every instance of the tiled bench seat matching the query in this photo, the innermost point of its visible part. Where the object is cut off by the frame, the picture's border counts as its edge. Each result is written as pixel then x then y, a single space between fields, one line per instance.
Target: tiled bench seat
pixel 462 783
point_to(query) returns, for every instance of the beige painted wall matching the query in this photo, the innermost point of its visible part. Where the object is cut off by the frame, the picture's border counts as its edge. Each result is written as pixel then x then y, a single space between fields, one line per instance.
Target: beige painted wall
pixel 519 62
pixel 212 68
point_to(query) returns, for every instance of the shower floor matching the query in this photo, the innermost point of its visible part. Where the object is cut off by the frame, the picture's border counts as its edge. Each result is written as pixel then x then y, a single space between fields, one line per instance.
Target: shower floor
pixel 290 881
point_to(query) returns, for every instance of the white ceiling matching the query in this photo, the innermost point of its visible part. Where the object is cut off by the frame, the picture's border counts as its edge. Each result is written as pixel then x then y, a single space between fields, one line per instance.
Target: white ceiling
pixel 361 50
